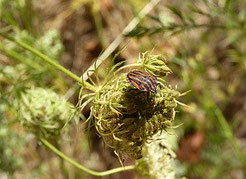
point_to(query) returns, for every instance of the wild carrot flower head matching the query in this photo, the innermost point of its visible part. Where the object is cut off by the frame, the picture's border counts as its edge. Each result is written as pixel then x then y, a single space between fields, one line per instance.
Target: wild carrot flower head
pixel 44 113
pixel 126 117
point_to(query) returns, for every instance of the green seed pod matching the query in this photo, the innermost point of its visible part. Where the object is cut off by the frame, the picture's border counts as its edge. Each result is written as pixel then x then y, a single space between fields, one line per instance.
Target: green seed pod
pixel 158 159
pixel 44 113
pixel 126 118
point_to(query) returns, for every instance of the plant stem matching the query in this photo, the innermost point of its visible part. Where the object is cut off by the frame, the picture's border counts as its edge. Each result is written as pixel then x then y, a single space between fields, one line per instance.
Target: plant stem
pixel 134 22
pixel 13 54
pixel 226 127
pixel 177 29
pixel 229 134
pixel 49 60
pixel 81 167
pixel 131 25
pixel 98 22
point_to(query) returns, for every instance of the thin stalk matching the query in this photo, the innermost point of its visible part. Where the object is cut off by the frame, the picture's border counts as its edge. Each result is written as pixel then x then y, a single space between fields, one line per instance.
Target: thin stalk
pixel 229 134
pixel 62 166
pixel 197 26
pixel 98 22
pixel 177 29
pixel 226 128
pixel 134 22
pixel 81 167
pixel 63 169
pixel 17 56
pixel 131 25
pixel 13 54
pixel 49 60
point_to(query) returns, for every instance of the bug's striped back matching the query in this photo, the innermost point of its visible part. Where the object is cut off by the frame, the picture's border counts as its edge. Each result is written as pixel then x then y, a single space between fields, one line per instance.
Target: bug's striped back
pixel 142 80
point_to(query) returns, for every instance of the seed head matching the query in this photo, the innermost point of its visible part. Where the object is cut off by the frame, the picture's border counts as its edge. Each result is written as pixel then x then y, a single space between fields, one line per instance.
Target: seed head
pixel 125 115
pixel 127 118
pixel 44 113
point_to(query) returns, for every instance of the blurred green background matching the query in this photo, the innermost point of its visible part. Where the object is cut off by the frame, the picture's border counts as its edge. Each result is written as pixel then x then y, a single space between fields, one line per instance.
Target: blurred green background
pixel 203 42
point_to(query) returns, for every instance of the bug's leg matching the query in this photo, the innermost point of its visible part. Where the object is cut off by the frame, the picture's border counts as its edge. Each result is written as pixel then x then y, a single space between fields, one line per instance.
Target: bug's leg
pixel 148 94
pixel 135 90
pixel 131 89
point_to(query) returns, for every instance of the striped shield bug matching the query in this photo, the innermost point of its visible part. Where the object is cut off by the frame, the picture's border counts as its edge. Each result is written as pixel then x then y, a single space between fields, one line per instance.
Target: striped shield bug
pixel 142 81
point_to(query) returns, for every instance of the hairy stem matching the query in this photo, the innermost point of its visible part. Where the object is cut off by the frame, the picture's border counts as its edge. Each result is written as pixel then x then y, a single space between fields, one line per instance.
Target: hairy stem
pixel 49 60
pixel 13 54
pixel 81 167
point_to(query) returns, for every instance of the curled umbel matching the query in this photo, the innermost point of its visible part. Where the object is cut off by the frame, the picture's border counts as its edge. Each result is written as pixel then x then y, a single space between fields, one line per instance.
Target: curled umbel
pixel 125 116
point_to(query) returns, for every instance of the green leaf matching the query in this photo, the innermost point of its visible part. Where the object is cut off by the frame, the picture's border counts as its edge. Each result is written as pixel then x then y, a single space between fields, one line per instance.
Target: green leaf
pixel 177 12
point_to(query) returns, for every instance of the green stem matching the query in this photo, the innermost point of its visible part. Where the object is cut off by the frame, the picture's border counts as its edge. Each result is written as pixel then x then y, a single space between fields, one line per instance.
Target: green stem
pixel 62 166
pixel 117 41
pixel 226 128
pixel 177 29
pixel 79 166
pixel 229 134
pixel 13 54
pixel 49 60
pixel 98 22
pixel 17 56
